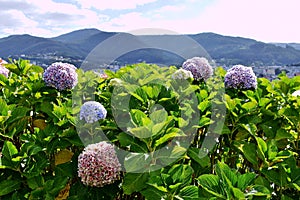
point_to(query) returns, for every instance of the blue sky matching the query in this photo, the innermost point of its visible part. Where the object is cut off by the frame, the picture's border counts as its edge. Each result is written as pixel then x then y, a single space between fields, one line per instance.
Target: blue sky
pixel 263 20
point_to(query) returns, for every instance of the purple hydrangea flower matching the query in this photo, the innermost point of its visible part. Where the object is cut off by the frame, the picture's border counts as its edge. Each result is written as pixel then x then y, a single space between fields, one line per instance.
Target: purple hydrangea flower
pixel 199 67
pixel 92 111
pixel 61 76
pixel 98 165
pixel 240 77
pixel 182 74
pixel 3 70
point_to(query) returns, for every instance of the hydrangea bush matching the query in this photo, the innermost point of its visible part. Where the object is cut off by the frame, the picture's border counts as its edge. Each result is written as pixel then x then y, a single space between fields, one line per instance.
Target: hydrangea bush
pixel 61 76
pixel 240 77
pixel 199 67
pixel 42 156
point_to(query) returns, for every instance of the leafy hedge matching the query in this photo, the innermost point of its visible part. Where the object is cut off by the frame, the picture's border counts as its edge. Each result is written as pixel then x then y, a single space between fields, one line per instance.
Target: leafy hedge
pixel 255 155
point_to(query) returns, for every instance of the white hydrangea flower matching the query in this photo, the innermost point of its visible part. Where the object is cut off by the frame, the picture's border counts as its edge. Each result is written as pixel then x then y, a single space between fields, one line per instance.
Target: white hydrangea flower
pixel 182 74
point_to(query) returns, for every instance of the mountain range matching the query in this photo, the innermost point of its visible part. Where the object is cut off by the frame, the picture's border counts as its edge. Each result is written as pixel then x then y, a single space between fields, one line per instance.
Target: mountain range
pixel 76 46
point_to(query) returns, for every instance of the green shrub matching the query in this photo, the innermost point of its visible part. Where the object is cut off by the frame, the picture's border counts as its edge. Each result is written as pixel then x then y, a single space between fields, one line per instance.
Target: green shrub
pixel 175 139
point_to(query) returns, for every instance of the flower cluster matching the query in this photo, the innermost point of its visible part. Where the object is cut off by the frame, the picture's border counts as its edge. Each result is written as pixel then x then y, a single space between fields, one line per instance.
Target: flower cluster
pixel 182 74
pixel 3 70
pixel 115 82
pixel 240 77
pixel 98 165
pixel 104 76
pixel 92 111
pixel 296 93
pixel 61 76
pixel 199 67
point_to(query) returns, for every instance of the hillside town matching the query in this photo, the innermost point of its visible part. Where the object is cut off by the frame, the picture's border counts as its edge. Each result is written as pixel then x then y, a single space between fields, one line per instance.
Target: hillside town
pixel 269 72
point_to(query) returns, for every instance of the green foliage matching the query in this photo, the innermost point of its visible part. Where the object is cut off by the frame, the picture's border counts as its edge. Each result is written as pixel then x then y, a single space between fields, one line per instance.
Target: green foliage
pixel 160 126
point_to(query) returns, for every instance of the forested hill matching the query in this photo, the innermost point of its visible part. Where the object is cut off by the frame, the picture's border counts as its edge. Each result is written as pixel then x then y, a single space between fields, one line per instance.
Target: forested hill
pixel 78 44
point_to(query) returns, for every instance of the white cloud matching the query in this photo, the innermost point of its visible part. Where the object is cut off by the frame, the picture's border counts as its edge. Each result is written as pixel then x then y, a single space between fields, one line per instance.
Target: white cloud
pixel 15 18
pixel 113 4
pixel 16 22
pixel 171 8
pixel 266 20
pixel 46 18
pixel 127 22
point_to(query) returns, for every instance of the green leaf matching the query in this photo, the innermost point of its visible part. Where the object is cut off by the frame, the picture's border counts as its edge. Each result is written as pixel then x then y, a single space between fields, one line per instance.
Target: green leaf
pixel 188 193
pixel 8 186
pixel 260 180
pixel 231 103
pixel 3 80
pixel 170 155
pixel 130 142
pixel 141 132
pixel 159 116
pixel 264 101
pixel 182 122
pixel 249 105
pixel 259 191
pixel 157 128
pixel 137 96
pixel 268 129
pixel 277 175
pixel 137 117
pixel 262 148
pixel 134 182
pixel 171 133
pixel 137 162
pixel 245 180
pixel 283 134
pixel 251 128
pixel 35 182
pixel 204 121
pixel 285 197
pixel 17 114
pixel 226 174
pixel 151 193
pixel 3 108
pixel 272 149
pixel 59 111
pixel 249 151
pixel 226 130
pixel 203 94
pixel 9 149
pixel 152 91
pixel 157 182
pixel 204 105
pixel 200 157
pixel 181 174
pixel 211 183
pixel 237 193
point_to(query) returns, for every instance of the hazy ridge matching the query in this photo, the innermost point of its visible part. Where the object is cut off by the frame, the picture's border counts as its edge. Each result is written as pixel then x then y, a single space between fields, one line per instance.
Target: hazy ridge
pixel 76 45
